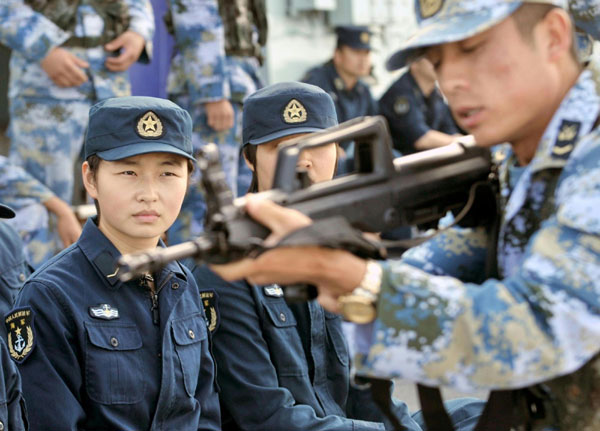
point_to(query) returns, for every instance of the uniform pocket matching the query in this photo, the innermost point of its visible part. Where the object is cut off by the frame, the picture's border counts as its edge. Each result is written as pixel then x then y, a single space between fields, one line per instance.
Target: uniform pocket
pixel 12 279
pixel 113 366
pixel 188 333
pixel 333 323
pixel 283 340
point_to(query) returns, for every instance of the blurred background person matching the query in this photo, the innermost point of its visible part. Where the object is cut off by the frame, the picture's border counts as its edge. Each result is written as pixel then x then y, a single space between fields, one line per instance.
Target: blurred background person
pixel 416 111
pixel 218 47
pixel 65 57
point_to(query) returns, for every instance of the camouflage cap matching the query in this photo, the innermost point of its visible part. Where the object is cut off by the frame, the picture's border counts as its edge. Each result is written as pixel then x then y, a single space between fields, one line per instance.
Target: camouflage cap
pixel 443 21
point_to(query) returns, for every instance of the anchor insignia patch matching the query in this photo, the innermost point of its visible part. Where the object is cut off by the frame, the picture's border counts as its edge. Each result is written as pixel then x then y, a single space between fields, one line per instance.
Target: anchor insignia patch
pixel 19 325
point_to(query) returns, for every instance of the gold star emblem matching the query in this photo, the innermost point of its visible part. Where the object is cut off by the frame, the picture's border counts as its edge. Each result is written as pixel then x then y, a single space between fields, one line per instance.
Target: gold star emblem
pixel 18 331
pixel 429 8
pixel 294 112
pixel 149 126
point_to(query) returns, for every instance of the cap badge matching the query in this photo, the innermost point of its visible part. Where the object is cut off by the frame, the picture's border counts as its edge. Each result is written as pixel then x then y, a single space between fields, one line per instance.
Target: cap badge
pixel 294 112
pixel 149 126
pixel 364 37
pixel 429 8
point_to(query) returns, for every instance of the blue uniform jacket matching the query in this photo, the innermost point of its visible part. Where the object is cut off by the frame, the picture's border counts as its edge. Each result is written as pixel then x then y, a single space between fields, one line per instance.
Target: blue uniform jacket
pixel 13 269
pixel 349 104
pixel 285 367
pixel 410 114
pixel 12 405
pixel 100 359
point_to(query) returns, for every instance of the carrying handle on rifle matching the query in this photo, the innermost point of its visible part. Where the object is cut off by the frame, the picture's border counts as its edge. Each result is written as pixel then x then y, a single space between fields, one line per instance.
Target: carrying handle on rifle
pixel 376 159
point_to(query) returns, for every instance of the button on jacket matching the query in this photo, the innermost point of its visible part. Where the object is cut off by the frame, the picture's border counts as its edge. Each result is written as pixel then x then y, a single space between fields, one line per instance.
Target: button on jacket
pixel 102 359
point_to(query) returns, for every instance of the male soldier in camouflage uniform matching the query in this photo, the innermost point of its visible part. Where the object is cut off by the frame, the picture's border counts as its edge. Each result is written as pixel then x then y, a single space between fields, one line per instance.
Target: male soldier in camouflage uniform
pixel 216 66
pixel 67 55
pixel 511 74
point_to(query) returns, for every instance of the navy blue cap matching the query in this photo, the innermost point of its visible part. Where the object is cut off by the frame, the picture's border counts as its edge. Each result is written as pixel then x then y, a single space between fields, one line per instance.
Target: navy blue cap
pixel 123 127
pixel 285 109
pixel 354 36
pixel 6 212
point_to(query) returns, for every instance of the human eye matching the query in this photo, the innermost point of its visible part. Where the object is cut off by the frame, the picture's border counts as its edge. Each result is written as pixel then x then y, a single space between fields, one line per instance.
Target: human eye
pixel 169 174
pixel 127 173
pixel 471 45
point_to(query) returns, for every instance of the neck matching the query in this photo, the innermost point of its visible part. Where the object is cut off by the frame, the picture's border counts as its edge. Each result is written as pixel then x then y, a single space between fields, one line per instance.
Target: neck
pixel 425 83
pixel 127 245
pixel 349 80
pixel 526 147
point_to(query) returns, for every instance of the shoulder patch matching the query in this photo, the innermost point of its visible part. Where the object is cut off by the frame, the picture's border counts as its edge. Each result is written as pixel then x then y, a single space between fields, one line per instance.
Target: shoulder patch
pixel 273 290
pixel 565 141
pixel 104 311
pixel 210 302
pixel 20 340
pixel 401 105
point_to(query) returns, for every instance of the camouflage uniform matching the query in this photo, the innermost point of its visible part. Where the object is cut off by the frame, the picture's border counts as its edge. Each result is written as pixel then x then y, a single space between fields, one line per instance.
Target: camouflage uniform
pixel 47 122
pixel 26 196
pixel 206 68
pixel 440 322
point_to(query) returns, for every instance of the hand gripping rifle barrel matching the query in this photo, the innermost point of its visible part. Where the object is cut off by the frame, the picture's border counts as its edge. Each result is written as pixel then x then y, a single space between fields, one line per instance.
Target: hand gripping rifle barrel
pixel 382 193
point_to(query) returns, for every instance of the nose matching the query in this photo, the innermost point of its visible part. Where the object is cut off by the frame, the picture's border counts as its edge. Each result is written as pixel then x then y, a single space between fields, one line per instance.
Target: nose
pixel 452 76
pixel 304 162
pixel 147 191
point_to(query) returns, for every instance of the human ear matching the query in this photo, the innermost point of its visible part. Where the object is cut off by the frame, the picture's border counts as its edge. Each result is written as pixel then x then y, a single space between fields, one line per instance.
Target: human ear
pixel 559 31
pixel 250 165
pixel 89 182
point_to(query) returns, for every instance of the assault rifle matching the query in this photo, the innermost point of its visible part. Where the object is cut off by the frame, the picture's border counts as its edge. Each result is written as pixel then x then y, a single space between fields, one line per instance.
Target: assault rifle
pixel 381 194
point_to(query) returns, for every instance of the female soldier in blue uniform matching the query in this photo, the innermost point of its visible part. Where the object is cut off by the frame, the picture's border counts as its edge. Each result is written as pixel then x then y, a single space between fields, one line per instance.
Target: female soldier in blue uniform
pixel 286 367
pixel 99 354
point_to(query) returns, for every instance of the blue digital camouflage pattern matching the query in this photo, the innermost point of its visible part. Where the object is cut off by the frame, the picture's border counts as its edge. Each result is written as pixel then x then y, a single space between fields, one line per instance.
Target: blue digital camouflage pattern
pixel 26 196
pixel 439 323
pixel 47 122
pixel 442 21
pixel 201 72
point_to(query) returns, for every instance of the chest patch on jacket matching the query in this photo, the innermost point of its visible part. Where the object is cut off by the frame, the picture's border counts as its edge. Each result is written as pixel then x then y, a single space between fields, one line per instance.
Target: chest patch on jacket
pixel 104 312
pixel 19 325
pixel 273 290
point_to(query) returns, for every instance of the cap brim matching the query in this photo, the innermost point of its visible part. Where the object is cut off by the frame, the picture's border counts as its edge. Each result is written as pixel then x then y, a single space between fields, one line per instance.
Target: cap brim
pixel 282 133
pixel 131 150
pixel 449 29
pixel 6 212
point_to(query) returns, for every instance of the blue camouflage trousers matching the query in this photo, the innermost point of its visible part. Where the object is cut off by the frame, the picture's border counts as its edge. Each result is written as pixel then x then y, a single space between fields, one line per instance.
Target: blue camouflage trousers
pixel 190 222
pixel 46 140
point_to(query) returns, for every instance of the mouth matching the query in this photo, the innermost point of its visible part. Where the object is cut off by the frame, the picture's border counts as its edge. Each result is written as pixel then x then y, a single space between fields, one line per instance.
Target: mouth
pixel 146 216
pixel 469 117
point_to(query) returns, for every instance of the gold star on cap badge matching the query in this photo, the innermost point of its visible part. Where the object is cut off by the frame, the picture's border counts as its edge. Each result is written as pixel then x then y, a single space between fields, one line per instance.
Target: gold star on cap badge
pixel 364 37
pixel 430 7
pixel 149 126
pixel 294 112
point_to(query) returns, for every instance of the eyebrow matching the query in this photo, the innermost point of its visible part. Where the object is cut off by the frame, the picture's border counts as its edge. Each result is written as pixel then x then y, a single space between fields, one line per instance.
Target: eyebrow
pixel 170 161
